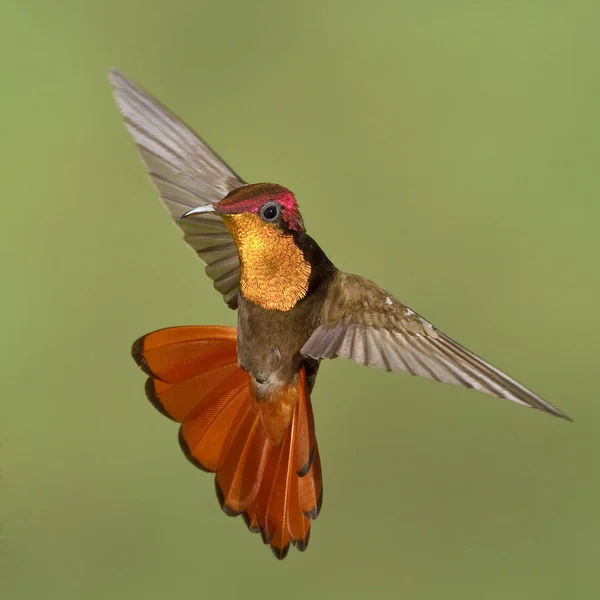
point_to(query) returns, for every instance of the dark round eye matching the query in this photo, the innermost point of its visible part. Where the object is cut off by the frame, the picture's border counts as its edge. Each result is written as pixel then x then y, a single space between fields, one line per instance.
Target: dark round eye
pixel 270 211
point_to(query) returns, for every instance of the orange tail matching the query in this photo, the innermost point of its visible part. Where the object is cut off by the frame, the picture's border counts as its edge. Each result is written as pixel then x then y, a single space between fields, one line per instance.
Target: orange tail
pixel 265 454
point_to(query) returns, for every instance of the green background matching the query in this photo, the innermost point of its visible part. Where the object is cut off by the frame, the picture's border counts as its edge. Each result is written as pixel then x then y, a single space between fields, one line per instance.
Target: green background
pixel 447 150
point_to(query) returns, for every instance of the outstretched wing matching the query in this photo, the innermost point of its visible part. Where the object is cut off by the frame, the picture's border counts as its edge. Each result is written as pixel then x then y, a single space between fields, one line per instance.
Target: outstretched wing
pixel 187 174
pixel 362 322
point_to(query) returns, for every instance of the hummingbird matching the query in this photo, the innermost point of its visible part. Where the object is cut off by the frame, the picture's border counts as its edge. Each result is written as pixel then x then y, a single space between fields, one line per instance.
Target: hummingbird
pixel 243 395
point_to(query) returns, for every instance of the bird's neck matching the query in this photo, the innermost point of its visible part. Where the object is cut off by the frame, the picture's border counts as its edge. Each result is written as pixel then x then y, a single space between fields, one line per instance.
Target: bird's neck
pixel 274 273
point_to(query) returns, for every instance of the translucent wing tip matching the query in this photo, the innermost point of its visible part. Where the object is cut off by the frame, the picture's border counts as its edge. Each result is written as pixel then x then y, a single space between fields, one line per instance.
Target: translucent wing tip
pixel 116 78
pixel 558 413
pixel 121 85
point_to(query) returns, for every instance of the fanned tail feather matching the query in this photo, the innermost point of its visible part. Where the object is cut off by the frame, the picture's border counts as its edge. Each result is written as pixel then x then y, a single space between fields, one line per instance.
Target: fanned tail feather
pixel 267 465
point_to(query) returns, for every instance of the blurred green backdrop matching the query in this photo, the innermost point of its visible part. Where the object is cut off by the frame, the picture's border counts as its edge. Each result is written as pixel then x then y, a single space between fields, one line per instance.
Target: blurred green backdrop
pixel 447 150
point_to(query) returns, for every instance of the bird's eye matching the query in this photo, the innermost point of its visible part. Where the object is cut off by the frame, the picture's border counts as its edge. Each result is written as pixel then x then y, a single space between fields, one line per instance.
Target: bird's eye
pixel 270 211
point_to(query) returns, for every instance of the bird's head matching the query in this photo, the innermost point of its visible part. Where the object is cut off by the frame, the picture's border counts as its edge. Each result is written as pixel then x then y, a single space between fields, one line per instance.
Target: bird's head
pixel 264 221
pixel 260 205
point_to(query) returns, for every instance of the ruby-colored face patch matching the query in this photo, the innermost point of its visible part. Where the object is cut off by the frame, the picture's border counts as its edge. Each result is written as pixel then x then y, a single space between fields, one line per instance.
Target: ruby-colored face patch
pixel 251 198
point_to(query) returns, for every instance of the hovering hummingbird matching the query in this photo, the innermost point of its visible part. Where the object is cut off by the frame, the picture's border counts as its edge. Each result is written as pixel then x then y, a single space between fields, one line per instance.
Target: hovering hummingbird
pixel 243 396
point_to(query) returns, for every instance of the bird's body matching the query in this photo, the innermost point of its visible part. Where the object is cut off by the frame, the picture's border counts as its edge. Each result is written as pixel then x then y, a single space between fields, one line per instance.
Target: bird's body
pixel 297 277
pixel 272 355
pixel 243 397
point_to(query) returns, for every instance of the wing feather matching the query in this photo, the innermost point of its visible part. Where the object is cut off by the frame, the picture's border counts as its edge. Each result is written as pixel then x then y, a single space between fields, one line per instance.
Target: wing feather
pixel 364 323
pixel 187 173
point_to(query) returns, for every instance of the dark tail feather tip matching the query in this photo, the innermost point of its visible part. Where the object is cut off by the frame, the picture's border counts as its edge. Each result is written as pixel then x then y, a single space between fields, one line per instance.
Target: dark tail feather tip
pixel 248 521
pixel 137 353
pixel 301 545
pixel 280 553
pixel 150 389
pixel 224 506
pixel 186 451
pixel 306 468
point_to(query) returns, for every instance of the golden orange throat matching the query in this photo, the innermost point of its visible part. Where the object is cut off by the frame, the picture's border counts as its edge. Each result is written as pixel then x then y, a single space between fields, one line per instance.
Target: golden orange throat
pixel 274 272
